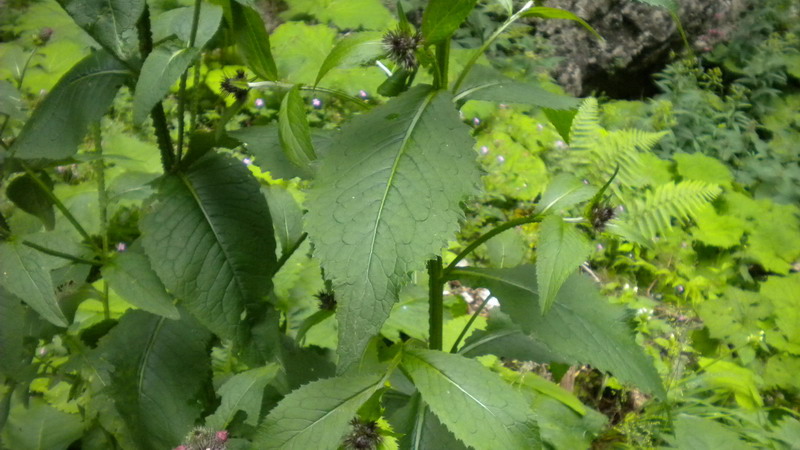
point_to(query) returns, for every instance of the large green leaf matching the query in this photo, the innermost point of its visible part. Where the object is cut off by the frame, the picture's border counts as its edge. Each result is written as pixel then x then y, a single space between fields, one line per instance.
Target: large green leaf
pixel 560 250
pixel 356 48
pixel 443 17
pixel 564 192
pixel 485 83
pixel 162 68
pixel 80 97
pixel 242 392
pixel 112 23
pixel 253 41
pixel 160 367
pixel 40 426
pixel 130 275
pixel 317 415
pixel 26 275
pixel 386 199
pixel 421 428
pixel 209 238
pixel 476 405
pixel 293 130
pixel 580 327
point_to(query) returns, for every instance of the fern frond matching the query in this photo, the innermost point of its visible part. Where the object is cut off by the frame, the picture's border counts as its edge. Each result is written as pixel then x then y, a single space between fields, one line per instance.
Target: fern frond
pixel 586 126
pixel 653 215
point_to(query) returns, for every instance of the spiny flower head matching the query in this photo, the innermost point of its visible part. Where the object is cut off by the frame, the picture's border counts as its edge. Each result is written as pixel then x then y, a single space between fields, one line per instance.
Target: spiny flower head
pixel 363 435
pixel 236 86
pixel 401 47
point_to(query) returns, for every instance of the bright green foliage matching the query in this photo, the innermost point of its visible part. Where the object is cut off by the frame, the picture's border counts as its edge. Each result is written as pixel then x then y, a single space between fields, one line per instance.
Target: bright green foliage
pixel 649 217
pixel 785 295
pixel 580 327
pixel 131 276
pixel 561 249
pixel 353 49
pixel 26 275
pixel 485 83
pixel 39 426
pixel 80 97
pixel 215 209
pixel 718 230
pixel 345 14
pixel 462 393
pixel 253 40
pixel 442 17
pixel 293 130
pixel 697 433
pixel 563 192
pixel 318 413
pixel 508 249
pixel 697 166
pixel 392 209
pixel 162 68
pixel 242 392
pixel 111 23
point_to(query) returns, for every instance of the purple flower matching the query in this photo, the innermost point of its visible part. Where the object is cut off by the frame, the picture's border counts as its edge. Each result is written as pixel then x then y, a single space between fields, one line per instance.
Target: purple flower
pixel 121 246
pixel 363 94
pixel 222 436
pixel 501 159
pixel 259 103
pixel 476 121
pixel 484 150
pixel 316 103
pixel 247 161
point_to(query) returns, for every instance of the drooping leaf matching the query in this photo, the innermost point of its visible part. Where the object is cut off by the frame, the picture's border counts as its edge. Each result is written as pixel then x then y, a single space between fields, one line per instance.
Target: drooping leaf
pixel 353 49
pixel 505 339
pixel 421 428
pixel 580 327
pixel 252 38
pixel 563 192
pixel 112 23
pixel 545 12
pixel 381 206
pixel 485 83
pixel 40 426
pixel 561 249
pixel 130 275
pixel 242 392
pixel 443 17
pixel 317 414
pixel 293 130
pixel 209 238
pixel 31 198
pixel 462 393
pixel 26 275
pixel 287 218
pixel 178 22
pixel 162 68
pixel 80 97
pixel 160 367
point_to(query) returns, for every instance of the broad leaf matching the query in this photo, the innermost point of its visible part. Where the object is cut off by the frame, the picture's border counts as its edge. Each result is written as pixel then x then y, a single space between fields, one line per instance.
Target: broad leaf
pixel 28 196
pixel 40 426
pixel 353 49
pixel 178 22
pixel 209 238
pixel 580 327
pixel 242 392
pixel 293 131
pixel 421 428
pixel 485 83
pixel 162 68
pixel 130 275
pixel 556 13
pixel 477 406
pixel 564 192
pixel 443 17
pixel 112 23
pixel 560 250
pixel 253 41
pixel 160 367
pixel 80 97
pixel 381 205
pixel 317 414
pixel 287 217
pixel 26 275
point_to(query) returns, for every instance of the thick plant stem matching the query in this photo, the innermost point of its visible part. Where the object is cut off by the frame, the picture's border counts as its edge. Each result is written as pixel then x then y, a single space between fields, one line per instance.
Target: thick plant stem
pixel 436 306
pixel 184 77
pixel 102 198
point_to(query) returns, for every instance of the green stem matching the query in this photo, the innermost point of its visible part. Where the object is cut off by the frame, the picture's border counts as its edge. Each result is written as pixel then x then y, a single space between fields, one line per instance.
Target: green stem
pixel 289 252
pixel 472 319
pixel 193 110
pixel 488 235
pixel 57 253
pixel 102 198
pixel 184 77
pixel 474 58
pixel 436 299
pixel 226 117
pixel 442 63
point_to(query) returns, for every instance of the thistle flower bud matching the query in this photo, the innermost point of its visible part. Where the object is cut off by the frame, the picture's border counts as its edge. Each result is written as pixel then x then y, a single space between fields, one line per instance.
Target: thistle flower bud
pixel 401 47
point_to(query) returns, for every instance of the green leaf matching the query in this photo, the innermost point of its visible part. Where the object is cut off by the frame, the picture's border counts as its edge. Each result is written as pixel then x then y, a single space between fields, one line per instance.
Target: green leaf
pixel 561 120
pixel 160 368
pixel 697 166
pixel 443 17
pixel 242 392
pixel 353 49
pixel 421 429
pixel 287 217
pixel 508 249
pixel 253 41
pixel 485 83
pixel 162 68
pixel 317 414
pixel 580 327
pixel 209 238
pixel 718 230
pixel 562 248
pixel 293 131
pixel 698 433
pixel 130 275
pixel 12 334
pixel 178 22
pixel 563 192
pixel 80 97
pixel 381 206
pixel 508 5
pixel 28 196
pixel 40 427
pixel 507 340
pixel 462 393
pixel 556 13
pixel 26 275
pixel 344 14
pixel 112 23
pixel 10 101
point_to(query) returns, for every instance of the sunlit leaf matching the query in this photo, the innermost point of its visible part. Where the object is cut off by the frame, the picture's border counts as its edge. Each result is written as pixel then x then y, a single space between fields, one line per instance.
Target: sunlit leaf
pixel 560 250
pixel 162 68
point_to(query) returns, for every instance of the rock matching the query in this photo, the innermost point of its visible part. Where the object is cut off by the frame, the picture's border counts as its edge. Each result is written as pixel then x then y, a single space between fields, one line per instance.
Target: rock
pixel 639 40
